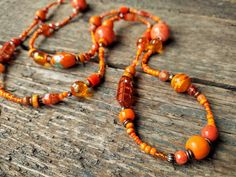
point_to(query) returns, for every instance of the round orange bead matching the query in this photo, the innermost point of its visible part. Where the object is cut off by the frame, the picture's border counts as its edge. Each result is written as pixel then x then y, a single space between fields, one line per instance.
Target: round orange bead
pixel 104 34
pixel 79 4
pixel 180 82
pixel 181 157
pixel 210 132
pixel 95 20
pixel 41 14
pixel 160 30
pixel 199 146
pixel 108 23
pixel 164 75
pixel 126 114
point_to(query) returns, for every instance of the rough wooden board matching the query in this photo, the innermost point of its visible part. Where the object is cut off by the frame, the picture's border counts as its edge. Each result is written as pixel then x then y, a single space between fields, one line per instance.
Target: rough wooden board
pixel 84 138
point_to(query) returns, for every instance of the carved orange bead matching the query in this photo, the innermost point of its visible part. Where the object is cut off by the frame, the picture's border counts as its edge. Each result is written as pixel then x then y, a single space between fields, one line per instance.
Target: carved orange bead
pixel 180 82
pixel 199 146
pixel 126 114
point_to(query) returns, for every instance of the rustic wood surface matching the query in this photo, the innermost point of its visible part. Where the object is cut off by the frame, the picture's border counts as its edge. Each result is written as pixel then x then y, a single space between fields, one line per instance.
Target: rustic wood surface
pixel 84 138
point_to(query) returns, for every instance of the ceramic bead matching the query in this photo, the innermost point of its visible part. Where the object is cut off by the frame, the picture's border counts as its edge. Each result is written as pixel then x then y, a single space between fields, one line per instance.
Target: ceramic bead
pixel 161 31
pixel 199 146
pixel 63 60
pixel 210 132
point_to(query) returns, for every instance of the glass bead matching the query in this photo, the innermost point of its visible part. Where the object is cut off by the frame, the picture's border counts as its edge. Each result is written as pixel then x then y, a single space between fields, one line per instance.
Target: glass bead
pixel 80 89
pixel 180 82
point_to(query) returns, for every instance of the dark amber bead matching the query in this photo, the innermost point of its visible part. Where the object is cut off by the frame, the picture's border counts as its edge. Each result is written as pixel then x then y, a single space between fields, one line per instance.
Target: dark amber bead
pixel 125 92
pixel 7 51
pixel 192 90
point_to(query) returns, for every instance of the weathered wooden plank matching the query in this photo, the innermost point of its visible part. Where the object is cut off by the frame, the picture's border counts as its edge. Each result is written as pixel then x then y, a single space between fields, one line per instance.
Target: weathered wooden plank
pixel 60 140
pixel 84 138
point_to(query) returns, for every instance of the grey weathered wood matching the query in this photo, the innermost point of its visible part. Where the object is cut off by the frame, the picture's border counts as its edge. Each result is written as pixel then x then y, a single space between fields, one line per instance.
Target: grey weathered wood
pixel 84 138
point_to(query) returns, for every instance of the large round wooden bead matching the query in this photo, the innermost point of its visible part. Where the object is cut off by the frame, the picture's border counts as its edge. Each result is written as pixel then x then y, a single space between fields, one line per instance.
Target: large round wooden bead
pixel 63 60
pixel 126 114
pixel 160 30
pixel 79 89
pixel 180 82
pixel 199 146
pixel 79 4
pixel 210 132
pixel 181 157
pixel 105 35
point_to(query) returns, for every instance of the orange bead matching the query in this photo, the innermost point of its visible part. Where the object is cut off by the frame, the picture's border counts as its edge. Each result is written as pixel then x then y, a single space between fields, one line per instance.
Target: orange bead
pixel 131 70
pixel 155 46
pixel 35 101
pixel 161 31
pixel 104 35
pixel 202 99
pixel 147 149
pixel 164 75
pixel 108 23
pixel 153 151
pixel 79 4
pixel 142 43
pixel 126 114
pixel 143 146
pixel 95 20
pixel 39 57
pixel 41 14
pixel 51 99
pixel 210 132
pixel 181 157
pixel 63 60
pixel 181 82
pixel 79 89
pixel 124 9
pixel 2 68
pixel 94 80
pixel 45 30
pixel 199 146
pixel 130 130
pixel 129 125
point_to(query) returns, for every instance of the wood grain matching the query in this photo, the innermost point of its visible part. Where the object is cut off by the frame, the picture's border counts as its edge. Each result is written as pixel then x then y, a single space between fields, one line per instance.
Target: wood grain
pixel 84 137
